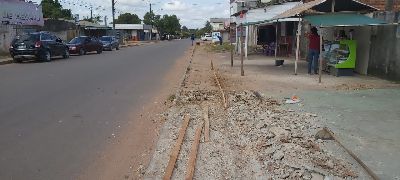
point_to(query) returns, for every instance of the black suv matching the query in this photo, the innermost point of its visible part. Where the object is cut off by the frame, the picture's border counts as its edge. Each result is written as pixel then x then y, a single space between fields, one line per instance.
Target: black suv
pixel 40 45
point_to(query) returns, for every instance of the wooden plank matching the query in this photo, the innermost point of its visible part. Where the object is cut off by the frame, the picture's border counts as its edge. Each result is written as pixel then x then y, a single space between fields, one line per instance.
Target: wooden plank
pixel 221 90
pixel 175 151
pixel 206 125
pixel 193 153
pixel 366 168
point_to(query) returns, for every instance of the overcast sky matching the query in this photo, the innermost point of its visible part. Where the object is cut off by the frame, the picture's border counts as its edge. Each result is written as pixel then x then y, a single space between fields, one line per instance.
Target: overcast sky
pixel 192 13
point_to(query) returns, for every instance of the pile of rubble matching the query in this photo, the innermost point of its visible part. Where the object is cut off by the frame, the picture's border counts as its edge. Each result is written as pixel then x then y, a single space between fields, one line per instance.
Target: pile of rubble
pixel 253 139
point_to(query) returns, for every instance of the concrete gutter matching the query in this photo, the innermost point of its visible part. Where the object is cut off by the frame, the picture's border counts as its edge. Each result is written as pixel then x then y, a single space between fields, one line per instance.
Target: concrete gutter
pixel 6 61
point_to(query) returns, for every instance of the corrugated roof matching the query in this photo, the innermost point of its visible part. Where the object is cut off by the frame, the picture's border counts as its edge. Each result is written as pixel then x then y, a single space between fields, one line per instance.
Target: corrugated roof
pixel 129 26
pixel 299 9
pixel 255 16
pixel 342 19
pixel 326 6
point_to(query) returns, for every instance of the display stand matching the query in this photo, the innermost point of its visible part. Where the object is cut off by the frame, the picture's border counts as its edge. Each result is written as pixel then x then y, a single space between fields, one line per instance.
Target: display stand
pixel 341 57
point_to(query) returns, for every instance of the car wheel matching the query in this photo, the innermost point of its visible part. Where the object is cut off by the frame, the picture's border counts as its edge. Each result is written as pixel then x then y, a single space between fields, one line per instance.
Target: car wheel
pixel 16 60
pixel 81 52
pixel 99 51
pixel 117 48
pixel 66 54
pixel 46 56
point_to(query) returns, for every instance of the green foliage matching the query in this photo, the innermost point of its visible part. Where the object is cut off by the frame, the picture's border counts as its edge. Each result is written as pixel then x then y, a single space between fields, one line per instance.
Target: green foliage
pixel 169 24
pixel 53 9
pixel 128 18
pixel 97 19
pixel 151 19
pixel 225 47
pixel 207 27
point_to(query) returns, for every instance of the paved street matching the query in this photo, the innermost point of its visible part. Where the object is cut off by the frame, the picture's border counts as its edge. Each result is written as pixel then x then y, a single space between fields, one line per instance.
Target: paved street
pixel 55 117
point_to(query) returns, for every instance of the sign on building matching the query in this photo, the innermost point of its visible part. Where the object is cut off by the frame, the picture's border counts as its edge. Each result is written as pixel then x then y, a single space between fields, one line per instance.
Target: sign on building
pixel 20 13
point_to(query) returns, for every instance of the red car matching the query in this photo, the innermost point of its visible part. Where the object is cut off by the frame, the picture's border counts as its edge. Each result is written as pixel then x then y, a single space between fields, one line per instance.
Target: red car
pixel 84 44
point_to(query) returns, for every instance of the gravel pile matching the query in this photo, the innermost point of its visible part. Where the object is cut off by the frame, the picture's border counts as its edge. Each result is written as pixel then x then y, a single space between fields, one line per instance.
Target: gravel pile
pixel 253 139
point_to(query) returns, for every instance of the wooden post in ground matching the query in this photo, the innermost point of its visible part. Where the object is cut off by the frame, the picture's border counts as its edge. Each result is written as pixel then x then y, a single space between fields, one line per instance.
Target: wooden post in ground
pixel 241 50
pixel 193 154
pixel 297 47
pixel 175 151
pixel 206 125
pixel 320 57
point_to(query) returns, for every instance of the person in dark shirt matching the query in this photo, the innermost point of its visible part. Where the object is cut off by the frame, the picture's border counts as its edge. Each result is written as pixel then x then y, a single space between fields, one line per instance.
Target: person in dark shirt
pixel 313 51
pixel 192 37
pixel 220 39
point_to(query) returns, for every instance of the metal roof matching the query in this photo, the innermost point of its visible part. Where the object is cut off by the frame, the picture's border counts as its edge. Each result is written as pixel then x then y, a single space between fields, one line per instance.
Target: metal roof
pixel 255 16
pixel 343 19
pixel 326 6
pixel 129 26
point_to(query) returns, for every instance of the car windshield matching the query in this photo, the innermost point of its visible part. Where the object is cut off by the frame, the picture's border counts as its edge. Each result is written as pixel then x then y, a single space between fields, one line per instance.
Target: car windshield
pixel 77 40
pixel 105 39
pixel 26 37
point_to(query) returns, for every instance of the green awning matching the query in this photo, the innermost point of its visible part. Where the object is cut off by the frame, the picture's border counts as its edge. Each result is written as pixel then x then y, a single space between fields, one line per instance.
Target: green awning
pixel 342 19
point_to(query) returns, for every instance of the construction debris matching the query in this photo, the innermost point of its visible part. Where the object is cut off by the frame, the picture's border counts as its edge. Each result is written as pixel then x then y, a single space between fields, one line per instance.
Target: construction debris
pixel 254 138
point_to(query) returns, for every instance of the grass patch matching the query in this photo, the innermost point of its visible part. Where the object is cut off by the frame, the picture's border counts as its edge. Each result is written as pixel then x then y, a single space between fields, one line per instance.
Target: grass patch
pixel 171 97
pixel 225 47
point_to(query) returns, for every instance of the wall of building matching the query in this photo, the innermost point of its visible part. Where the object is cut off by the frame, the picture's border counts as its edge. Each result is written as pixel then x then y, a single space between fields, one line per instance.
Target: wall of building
pixel 385 52
pixel 7 33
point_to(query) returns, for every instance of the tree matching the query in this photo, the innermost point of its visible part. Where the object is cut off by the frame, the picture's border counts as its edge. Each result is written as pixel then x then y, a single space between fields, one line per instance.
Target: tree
pixel 53 9
pixel 150 18
pixel 185 29
pixel 207 27
pixel 128 18
pixel 169 24
pixel 97 19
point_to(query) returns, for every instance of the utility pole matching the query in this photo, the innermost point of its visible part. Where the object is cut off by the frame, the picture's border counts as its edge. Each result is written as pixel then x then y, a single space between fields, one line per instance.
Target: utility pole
pixel 113 12
pixel 150 7
pixel 91 13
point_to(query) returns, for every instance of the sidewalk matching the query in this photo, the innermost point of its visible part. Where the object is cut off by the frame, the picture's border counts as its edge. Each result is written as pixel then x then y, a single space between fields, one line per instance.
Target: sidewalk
pixel 255 137
pixel 361 110
pixel 5 60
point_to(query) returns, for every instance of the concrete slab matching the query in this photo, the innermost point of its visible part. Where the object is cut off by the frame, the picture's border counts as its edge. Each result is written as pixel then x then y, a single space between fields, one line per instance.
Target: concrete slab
pixel 366 121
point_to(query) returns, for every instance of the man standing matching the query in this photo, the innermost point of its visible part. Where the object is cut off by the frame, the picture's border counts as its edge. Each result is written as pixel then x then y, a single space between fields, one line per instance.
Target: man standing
pixel 192 38
pixel 313 51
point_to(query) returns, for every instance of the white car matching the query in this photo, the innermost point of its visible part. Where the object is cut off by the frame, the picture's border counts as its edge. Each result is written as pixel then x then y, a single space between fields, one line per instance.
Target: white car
pixel 206 37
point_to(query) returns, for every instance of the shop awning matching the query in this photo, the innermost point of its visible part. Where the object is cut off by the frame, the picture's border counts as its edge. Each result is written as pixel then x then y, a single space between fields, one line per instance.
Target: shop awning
pixel 325 6
pixel 342 19
pixel 260 15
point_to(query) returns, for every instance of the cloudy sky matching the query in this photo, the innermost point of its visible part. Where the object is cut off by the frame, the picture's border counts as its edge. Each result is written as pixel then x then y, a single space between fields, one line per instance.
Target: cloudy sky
pixel 192 13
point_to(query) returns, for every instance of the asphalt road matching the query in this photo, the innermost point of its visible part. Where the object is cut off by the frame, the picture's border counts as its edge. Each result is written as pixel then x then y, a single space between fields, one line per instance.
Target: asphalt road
pixel 55 117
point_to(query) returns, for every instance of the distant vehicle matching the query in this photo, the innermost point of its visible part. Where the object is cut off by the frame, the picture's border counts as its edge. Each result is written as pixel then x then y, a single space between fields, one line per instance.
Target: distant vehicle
pixel 39 45
pixel 206 37
pixel 109 43
pixel 83 44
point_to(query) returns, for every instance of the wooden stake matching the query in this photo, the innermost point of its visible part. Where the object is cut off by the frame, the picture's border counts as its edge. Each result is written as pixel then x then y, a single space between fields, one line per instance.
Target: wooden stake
pixel 206 125
pixel 297 47
pixel 193 153
pixel 175 152
pixel 320 58
pixel 221 90
pixel 366 168
pixel 212 65
pixel 241 51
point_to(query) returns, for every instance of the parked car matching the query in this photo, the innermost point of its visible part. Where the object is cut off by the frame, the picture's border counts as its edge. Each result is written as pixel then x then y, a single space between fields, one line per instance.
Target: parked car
pixel 109 43
pixel 206 37
pixel 83 44
pixel 40 45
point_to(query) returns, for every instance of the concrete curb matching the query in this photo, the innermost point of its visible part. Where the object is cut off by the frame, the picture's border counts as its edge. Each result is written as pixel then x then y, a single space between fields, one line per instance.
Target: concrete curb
pixel 184 77
pixel 6 61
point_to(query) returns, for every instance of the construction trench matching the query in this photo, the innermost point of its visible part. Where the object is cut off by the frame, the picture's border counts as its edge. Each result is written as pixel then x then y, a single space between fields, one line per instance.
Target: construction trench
pixel 242 135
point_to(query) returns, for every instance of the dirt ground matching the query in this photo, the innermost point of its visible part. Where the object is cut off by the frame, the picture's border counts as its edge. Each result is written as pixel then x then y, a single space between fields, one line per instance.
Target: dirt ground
pixel 255 137
pixel 131 149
